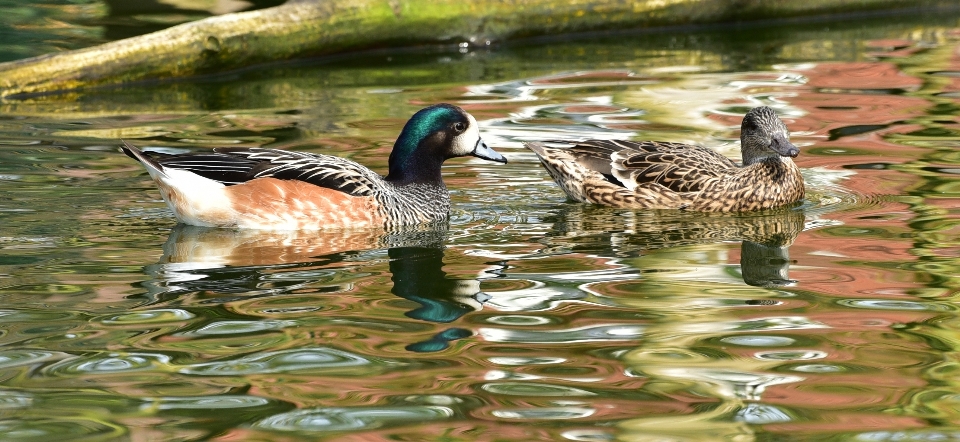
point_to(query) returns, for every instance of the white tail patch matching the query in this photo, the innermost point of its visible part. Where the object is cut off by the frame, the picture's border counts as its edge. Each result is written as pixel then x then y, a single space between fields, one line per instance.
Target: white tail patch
pixel 195 200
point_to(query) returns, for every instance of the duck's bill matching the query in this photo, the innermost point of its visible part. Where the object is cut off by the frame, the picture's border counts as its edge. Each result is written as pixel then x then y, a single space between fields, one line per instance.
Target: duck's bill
pixel 481 150
pixel 783 147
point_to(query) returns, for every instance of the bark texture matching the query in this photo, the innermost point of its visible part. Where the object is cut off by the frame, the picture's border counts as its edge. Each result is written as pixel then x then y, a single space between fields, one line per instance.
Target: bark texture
pixel 308 28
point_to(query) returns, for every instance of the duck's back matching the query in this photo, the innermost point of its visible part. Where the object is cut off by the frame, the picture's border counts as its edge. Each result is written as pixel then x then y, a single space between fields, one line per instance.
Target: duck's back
pixel 232 166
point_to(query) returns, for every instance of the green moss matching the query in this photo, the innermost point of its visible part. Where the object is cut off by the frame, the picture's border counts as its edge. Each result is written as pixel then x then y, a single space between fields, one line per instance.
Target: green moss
pixel 333 26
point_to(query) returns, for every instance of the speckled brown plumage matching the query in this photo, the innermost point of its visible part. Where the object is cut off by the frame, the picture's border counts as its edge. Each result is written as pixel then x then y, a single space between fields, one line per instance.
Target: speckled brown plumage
pixel 662 175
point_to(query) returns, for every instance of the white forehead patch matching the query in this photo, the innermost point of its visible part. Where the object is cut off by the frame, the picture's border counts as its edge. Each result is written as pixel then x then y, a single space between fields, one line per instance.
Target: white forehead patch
pixel 464 143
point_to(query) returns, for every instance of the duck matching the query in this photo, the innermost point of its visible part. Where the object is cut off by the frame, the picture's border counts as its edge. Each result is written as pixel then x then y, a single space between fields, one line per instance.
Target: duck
pixel 668 175
pixel 273 189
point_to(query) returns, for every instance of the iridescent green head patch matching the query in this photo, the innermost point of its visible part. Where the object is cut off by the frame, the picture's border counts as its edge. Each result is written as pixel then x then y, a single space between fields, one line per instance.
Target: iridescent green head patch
pixel 421 125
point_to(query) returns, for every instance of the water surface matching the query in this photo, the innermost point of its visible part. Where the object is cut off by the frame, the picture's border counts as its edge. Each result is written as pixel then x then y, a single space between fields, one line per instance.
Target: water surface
pixel 529 317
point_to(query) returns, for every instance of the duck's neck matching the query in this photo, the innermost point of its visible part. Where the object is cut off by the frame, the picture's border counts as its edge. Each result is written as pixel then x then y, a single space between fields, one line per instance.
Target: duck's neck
pixel 415 169
pixel 776 169
pixel 767 159
pixel 415 203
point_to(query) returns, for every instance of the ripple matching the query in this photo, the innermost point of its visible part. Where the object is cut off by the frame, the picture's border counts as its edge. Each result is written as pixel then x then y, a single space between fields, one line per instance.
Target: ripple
pixel 39 429
pixel 759 341
pixel 35 316
pixel 793 355
pixel 743 384
pixel 923 435
pixel 110 363
pixel 825 194
pixel 27 242
pixel 285 310
pixel 341 419
pixel 283 305
pixel 238 327
pixel 224 402
pixel 533 389
pixel 520 320
pixel 507 360
pixel 819 368
pixel 54 336
pixel 541 298
pixel 14 358
pixel 14 399
pixel 149 317
pixel 434 399
pixel 546 413
pixel 622 332
pixel 759 324
pixel 322 358
pixel 779 323
pixel 887 304
pixel 759 414
pixel 588 435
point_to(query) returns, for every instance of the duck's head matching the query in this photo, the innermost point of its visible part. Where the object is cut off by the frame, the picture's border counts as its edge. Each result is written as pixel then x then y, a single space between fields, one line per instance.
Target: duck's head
pixel 763 136
pixel 431 136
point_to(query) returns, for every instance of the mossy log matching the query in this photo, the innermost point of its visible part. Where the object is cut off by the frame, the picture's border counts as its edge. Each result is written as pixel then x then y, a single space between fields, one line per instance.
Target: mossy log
pixel 309 28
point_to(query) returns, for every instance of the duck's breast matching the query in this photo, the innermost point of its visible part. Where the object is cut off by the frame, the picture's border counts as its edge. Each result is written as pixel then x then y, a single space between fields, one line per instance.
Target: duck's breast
pixel 758 186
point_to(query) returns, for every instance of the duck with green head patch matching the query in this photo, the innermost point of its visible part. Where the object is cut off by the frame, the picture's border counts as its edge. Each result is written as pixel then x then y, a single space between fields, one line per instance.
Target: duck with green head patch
pixel 283 190
pixel 664 175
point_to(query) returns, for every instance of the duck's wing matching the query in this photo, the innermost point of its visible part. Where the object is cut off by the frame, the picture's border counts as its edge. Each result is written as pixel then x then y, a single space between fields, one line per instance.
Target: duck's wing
pixel 632 164
pixel 676 166
pixel 226 169
pixel 237 165
pixel 590 155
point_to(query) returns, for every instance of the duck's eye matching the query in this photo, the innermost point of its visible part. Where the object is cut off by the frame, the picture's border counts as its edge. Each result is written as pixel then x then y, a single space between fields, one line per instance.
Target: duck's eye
pixel 459 127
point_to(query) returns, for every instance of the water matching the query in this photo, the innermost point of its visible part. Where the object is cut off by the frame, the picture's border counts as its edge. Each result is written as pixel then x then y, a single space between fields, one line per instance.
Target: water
pixel 529 318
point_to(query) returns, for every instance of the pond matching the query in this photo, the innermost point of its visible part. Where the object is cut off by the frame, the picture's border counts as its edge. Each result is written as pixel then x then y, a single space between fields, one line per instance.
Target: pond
pixel 528 317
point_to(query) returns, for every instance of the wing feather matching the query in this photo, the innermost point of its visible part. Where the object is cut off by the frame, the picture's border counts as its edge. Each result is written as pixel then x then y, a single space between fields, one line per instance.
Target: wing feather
pixel 235 165
pixel 317 169
pixel 676 166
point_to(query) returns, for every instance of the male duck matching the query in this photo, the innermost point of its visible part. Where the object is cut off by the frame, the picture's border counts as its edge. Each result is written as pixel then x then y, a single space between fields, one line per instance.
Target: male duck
pixel 281 190
pixel 661 175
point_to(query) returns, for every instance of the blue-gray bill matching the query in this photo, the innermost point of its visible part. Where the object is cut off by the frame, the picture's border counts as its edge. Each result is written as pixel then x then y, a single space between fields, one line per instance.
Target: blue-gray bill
pixel 481 150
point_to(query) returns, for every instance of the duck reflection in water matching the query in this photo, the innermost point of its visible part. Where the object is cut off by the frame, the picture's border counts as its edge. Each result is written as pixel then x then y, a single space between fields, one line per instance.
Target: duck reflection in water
pixel 765 236
pixel 418 276
pixel 222 265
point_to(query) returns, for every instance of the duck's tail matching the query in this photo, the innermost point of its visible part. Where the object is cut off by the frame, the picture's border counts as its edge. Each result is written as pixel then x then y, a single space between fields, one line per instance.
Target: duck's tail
pixel 537 148
pixel 154 168
pixel 194 199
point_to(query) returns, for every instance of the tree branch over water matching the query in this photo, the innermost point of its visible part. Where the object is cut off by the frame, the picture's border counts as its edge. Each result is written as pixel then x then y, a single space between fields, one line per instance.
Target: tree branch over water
pixel 314 27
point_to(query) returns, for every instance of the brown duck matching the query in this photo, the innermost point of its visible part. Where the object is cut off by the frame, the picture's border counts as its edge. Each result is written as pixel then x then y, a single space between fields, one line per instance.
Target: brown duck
pixel 663 175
